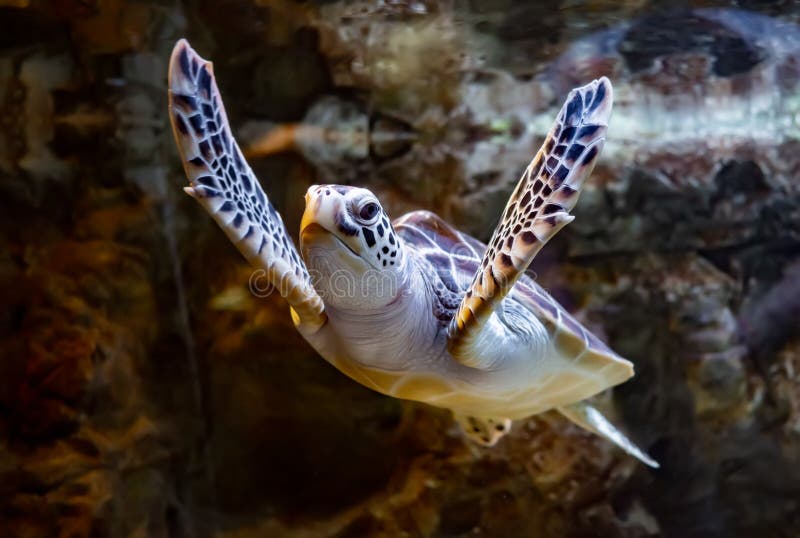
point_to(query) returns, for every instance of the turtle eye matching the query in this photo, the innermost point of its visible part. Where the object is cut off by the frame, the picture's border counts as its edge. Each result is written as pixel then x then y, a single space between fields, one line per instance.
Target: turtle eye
pixel 369 211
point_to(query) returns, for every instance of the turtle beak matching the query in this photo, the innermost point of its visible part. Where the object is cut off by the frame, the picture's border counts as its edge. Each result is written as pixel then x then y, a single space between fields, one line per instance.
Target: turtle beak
pixel 325 206
pixel 322 203
pixel 312 207
pixel 326 215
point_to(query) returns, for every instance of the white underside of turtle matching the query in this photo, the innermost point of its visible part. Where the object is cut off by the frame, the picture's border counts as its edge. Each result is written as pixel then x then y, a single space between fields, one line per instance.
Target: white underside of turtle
pixel 413 308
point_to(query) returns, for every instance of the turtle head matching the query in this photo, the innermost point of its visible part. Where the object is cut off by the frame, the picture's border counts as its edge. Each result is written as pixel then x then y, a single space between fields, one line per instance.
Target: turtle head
pixel 353 254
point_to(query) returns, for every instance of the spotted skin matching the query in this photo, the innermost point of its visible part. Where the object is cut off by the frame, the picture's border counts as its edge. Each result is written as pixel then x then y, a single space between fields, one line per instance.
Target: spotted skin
pixel 378 240
pixel 536 211
pixel 224 184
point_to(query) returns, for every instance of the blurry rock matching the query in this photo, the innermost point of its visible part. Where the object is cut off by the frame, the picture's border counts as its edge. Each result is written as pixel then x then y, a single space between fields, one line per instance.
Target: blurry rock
pixel 27 85
pixel 145 391
pixel 769 321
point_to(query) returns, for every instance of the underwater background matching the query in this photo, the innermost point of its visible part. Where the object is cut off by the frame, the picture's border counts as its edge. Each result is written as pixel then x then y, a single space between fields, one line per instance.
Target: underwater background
pixel 146 392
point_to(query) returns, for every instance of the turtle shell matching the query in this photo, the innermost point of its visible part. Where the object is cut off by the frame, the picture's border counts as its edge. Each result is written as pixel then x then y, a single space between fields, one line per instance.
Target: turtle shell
pixel 459 255
pixel 592 366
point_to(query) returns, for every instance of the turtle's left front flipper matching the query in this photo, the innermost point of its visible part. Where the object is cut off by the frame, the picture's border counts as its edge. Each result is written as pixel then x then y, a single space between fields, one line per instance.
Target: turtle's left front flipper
pixel 223 183
pixel 589 418
pixel 538 208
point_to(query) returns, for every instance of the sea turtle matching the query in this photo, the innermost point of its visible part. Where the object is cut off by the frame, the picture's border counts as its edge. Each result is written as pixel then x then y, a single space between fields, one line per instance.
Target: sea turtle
pixel 414 308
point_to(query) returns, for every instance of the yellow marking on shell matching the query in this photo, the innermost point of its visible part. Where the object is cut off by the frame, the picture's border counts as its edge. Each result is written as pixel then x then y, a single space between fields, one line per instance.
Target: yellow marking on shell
pixel 595 361
pixel 569 345
pixel 358 374
pixel 619 371
pixel 423 388
pixel 387 381
pixel 575 392
pixel 427 388
pixel 597 371
pixel 559 381
pixel 535 402
pixel 471 404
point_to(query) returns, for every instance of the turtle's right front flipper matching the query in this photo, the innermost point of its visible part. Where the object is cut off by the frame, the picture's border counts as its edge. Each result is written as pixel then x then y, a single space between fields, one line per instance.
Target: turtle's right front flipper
pixel 223 183
pixel 538 208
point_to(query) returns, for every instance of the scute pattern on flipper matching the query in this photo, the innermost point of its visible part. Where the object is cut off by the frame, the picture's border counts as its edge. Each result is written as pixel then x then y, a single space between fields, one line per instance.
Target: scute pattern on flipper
pixel 537 209
pixel 224 184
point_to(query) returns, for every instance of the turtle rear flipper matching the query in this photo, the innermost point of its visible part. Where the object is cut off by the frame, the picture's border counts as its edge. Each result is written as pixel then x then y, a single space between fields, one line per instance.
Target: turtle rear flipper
pixel 589 418
pixel 483 431
pixel 223 183
pixel 537 209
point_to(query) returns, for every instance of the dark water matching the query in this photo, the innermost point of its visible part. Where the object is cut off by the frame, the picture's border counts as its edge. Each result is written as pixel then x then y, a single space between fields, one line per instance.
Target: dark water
pixel 144 391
